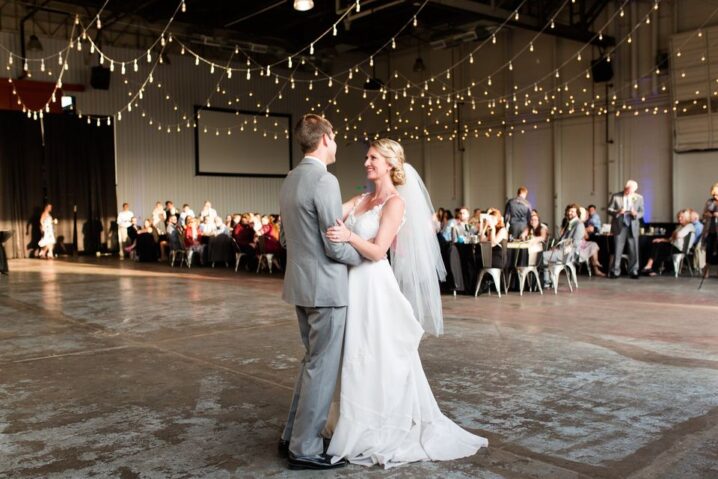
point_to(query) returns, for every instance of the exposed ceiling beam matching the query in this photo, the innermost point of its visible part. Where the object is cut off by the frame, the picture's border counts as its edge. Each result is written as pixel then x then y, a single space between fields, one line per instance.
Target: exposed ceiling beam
pixel 529 23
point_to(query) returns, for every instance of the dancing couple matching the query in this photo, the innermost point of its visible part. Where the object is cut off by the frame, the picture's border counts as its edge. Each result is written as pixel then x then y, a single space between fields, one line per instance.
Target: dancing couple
pixel 362 324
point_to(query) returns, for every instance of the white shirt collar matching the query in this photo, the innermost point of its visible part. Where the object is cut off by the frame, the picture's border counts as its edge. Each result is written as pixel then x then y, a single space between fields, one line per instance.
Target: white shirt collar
pixel 316 160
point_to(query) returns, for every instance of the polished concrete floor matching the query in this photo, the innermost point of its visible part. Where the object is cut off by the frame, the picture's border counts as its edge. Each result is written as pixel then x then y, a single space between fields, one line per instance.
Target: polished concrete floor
pixel 114 369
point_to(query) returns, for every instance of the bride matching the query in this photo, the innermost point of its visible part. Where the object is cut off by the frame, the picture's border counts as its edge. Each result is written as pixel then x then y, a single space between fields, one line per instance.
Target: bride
pixel 387 412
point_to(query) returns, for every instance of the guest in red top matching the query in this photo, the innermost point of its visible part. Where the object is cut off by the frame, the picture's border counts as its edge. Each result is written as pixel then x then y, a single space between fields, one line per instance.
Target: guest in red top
pixel 271 239
pixel 243 234
pixel 193 238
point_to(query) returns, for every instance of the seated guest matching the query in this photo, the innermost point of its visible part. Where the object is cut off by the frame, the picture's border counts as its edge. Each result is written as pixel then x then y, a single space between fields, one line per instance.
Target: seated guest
pixel 536 234
pixel 207 211
pixel 159 218
pixel 170 210
pixel 133 229
pixel 186 212
pixel 593 223
pixel 193 237
pixel 588 250
pixel 663 248
pixel 460 228
pixel 573 231
pixel 145 245
pixel 475 219
pixel 173 233
pixel 697 226
pixel 228 222
pixel 271 238
pixel 244 235
pixel 447 222
pixel 494 231
pixel 207 225
pixel 220 228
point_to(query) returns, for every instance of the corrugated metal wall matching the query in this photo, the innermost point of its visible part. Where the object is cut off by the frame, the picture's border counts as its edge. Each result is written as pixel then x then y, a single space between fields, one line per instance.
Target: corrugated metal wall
pixel 154 165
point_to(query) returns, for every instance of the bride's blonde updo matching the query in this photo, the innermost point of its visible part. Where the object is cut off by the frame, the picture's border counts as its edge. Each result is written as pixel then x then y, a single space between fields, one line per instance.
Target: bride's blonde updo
pixel 394 154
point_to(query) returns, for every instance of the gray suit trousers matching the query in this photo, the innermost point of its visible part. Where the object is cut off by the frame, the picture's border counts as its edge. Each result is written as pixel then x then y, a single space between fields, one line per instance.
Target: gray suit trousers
pixel 322 331
pixel 625 236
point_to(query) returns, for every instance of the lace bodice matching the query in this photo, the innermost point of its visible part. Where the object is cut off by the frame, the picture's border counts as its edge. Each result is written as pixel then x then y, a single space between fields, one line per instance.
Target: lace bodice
pixel 366 224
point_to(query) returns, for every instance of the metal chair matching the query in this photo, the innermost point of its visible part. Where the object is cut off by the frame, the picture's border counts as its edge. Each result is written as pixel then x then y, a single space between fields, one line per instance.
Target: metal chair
pixel 678 258
pixel 177 249
pixel 497 274
pixel 265 259
pixel 584 262
pixel 560 257
pixel 523 272
pixel 237 255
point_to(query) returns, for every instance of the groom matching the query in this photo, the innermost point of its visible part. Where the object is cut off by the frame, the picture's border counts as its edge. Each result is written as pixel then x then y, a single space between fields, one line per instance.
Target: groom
pixel 315 282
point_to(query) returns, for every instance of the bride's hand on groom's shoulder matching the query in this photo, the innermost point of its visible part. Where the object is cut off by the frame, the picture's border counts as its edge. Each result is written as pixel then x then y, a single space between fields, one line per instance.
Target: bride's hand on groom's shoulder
pixel 338 233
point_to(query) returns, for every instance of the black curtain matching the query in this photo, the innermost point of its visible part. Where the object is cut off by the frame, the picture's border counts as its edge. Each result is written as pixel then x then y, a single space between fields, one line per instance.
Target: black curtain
pixel 74 167
pixel 21 181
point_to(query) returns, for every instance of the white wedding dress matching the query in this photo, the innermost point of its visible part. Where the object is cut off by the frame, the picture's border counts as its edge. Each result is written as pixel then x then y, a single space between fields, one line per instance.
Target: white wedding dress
pixel 387 412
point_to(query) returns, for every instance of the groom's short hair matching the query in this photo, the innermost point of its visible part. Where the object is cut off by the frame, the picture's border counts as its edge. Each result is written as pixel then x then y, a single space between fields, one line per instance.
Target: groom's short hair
pixel 309 131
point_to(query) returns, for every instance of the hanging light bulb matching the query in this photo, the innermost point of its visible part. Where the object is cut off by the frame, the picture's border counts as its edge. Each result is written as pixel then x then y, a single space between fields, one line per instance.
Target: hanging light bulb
pixel 229 73
pixel 289 62
pixel 303 5
pixel 311 49
pixel 149 56
pixel 135 67
pixel 553 24
pixel 516 17
pixel 358 7
pixel 371 61
pixel 471 58
pixel 99 23
pixel 184 7
pixel 334 30
pixel 122 68
pixel 211 68
pixel 196 60
pixel 415 22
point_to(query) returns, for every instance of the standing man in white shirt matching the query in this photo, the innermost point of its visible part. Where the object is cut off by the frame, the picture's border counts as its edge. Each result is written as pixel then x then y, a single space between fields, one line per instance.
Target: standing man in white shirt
pixel 626 208
pixel 124 221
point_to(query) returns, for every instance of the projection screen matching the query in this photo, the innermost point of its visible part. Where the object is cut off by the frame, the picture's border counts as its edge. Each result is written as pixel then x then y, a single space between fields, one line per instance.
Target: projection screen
pixel 242 143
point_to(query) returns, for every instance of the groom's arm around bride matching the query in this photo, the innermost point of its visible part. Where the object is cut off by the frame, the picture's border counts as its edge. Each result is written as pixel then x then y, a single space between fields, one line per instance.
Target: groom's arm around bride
pixel 315 282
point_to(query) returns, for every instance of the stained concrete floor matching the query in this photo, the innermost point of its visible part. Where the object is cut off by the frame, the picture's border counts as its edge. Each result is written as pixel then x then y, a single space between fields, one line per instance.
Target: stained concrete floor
pixel 114 369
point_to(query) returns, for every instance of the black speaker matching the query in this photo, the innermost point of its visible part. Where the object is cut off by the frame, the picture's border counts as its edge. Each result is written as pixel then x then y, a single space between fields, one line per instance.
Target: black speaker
pixel 601 70
pixel 100 78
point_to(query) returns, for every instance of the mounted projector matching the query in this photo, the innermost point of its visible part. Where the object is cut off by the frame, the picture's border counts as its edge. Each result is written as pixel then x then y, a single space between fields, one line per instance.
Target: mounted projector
pixel 373 84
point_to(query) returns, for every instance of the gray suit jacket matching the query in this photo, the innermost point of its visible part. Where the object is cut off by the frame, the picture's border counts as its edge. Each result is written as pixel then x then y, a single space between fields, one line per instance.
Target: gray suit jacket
pixel 615 205
pixel 316 274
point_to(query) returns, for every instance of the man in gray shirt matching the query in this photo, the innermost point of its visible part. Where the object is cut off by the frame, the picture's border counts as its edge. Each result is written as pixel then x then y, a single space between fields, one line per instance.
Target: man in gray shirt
pixel 518 213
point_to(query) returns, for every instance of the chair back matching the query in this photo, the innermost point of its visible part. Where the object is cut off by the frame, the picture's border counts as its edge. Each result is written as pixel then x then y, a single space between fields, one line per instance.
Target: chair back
pixel 175 241
pixel 504 254
pixel 687 242
pixel 485 254
pixel 261 240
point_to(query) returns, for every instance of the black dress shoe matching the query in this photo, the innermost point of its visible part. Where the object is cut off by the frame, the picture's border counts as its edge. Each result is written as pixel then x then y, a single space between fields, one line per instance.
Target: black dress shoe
pixel 319 462
pixel 612 276
pixel 283 448
pixel 635 276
